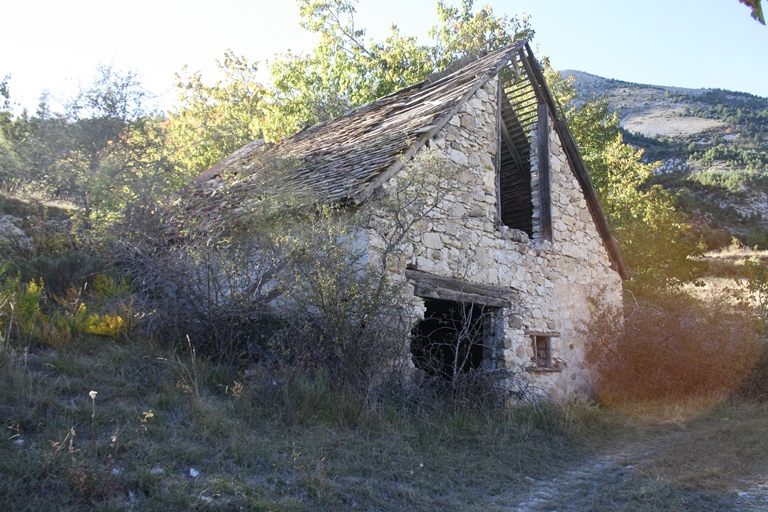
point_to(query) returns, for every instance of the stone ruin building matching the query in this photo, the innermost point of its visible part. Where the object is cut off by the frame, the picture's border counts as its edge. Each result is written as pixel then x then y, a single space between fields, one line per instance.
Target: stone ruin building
pixel 518 245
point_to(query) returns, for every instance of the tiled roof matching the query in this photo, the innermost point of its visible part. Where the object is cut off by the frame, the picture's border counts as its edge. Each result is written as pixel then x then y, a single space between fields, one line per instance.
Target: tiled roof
pixel 349 156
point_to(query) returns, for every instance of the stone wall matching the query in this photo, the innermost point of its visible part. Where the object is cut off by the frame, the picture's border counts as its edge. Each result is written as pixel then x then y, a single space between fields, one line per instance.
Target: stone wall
pixel 460 239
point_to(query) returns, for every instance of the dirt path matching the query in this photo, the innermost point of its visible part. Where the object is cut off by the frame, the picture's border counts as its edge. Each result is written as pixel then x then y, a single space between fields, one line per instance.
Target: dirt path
pixel 755 498
pixel 574 489
pixel 616 480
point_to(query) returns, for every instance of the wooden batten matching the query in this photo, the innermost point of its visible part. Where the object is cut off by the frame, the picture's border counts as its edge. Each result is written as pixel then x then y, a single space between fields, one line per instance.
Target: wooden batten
pixel 545 194
pixel 550 334
pixel 579 167
pixel 511 146
pixel 431 286
pixel 429 291
pixel 513 176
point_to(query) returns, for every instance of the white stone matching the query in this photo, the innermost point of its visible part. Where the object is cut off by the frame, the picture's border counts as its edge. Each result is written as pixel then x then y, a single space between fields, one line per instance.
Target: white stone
pixel 458 157
pixel 487 161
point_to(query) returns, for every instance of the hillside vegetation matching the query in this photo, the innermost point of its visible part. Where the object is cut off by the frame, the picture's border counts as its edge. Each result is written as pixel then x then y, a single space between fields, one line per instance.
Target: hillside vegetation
pixel 712 146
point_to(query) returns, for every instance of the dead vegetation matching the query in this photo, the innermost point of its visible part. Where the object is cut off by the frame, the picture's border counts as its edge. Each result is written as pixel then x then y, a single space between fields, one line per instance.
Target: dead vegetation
pixel 169 431
pixel 672 347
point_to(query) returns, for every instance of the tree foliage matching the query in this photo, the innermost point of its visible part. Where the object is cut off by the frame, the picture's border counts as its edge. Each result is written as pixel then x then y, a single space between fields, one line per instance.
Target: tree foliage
pixel 104 152
pixel 461 32
pixel 344 70
pixel 654 236
pixel 757 9
pixel 35 144
pixel 7 150
pixel 5 94
pixel 347 70
pixel 209 122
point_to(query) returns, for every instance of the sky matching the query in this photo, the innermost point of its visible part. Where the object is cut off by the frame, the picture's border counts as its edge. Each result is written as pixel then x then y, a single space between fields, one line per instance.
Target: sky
pixel 55 45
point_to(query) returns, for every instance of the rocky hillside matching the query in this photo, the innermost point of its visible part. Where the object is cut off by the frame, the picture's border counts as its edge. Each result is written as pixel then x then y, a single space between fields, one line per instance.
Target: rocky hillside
pixel 712 146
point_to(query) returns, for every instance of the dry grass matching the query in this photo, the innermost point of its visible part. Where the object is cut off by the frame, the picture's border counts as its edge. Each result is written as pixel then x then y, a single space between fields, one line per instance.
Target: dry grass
pixel 304 447
pixel 698 445
pixel 730 262
pixel 296 447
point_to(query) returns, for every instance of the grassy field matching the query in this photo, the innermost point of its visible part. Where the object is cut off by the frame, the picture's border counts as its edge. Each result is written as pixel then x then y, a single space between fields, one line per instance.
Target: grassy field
pixel 133 424
pixel 106 425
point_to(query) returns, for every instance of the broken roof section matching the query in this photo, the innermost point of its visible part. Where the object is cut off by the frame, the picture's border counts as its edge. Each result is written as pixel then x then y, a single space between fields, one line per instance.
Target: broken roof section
pixel 347 158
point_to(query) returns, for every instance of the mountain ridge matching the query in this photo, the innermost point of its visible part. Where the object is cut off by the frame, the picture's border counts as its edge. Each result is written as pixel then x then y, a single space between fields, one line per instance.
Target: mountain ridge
pixel 712 145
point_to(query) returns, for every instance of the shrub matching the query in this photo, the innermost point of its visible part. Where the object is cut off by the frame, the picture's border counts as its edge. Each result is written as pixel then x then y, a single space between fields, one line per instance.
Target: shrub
pixel 19 306
pixel 755 387
pixel 60 272
pixel 30 312
pixel 275 277
pixel 755 239
pixel 670 348
pixel 713 237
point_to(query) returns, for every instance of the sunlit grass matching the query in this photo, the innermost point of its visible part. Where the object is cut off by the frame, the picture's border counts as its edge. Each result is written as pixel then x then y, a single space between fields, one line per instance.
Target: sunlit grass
pixel 304 447
pixel 730 262
pixel 307 447
pixel 700 445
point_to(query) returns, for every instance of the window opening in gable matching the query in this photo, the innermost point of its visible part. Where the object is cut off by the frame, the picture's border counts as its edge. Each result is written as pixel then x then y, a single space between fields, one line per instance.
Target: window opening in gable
pixel 453 338
pixel 523 196
pixel 518 113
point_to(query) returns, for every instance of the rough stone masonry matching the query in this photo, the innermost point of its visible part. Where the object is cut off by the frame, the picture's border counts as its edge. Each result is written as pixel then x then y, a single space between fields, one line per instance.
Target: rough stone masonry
pixel 554 280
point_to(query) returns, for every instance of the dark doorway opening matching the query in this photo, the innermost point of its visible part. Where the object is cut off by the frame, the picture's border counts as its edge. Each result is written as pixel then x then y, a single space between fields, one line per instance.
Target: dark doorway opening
pixel 450 339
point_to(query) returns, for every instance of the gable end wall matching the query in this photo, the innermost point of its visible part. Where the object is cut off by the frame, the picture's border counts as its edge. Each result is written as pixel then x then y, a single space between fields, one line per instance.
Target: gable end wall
pixel 553 281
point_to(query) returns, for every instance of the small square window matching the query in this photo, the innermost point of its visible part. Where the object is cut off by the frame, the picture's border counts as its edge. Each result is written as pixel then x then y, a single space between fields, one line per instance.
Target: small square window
pixel 542 350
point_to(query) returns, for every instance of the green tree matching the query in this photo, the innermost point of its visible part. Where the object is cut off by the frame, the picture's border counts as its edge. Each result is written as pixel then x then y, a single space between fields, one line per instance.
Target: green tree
pixel 346 70
pixel 757 9
pixel 137 174
pixel 7 151
pixel 32 147
pixel 5 106
pixel 461 32
pixel 104 152
pixel 97 117
pixel 211 121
